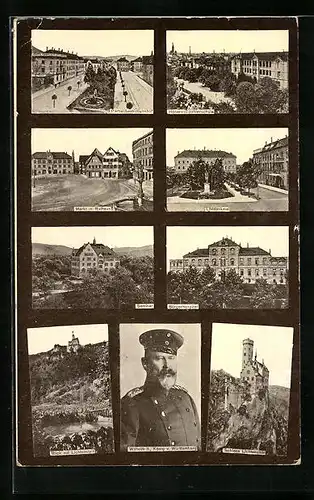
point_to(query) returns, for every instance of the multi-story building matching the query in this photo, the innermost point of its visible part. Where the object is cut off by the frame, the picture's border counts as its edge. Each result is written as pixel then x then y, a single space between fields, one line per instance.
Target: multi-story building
pixel 56 64
pixel 142 150
pixel 73 344
pixel 123 64
pixel 273 160
pixel 261 64
pixel 93 256
pixel 250 263
pixel 137 65
pixel 52 163
pixel 183 160
pixel 110 165
pixel 148 69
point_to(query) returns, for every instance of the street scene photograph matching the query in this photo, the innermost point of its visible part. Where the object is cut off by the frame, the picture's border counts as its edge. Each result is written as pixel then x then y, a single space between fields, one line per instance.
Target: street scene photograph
pixel 160 387
pixel 244 267
pixel 231 71
pixel 226 170
pixel 249 394
pixel 70 390
pixel 92 71
pixel 92 267
pixel 102 169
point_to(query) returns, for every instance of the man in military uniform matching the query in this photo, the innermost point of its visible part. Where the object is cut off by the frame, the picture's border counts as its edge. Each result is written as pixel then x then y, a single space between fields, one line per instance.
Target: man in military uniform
pixel 160 413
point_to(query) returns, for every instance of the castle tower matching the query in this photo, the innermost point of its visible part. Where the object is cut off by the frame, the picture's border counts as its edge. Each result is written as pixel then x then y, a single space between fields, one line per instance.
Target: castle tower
pixel 94 241
pixel 247 352
pixel 172 48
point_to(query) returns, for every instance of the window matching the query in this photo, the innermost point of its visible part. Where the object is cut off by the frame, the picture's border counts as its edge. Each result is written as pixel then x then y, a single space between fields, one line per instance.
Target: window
pixel 249 272
pixel 241 272
pixel 214 262
pixel 223 251
pixel 232 250
pixel 232 262
pixel 199 262
pixel 241 261
pixel 256 272
pixel 249 260
pixel 256 261
pixel 264 272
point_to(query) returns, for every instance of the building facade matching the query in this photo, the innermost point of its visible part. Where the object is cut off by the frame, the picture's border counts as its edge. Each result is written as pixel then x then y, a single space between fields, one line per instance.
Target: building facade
pixel 52 163
pixel 142 150
pixel 73 344
pixel 261 64
pixel 110 165
pixel 273 160
pixel 183 160
pixel 55 64
pixel 250 263
pixel 93 256
pixel 123 64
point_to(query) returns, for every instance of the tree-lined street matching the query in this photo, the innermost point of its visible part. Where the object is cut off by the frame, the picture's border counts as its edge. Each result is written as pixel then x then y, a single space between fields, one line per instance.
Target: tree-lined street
pixel 43 101
pixel 140 94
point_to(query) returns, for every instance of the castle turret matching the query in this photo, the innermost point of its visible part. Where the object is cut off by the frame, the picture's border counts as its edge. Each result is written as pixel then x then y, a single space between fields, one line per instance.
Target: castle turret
pixel 247 353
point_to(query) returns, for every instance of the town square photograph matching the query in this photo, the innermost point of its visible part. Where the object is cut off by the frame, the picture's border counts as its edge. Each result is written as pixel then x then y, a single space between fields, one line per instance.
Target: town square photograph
pixel 249 393
pixel 226 170
pixel 227 267
pixel 92 267
pixel 231 71
pixel 70 390
pixel 92 71
pixel 160 387
pixel 102 169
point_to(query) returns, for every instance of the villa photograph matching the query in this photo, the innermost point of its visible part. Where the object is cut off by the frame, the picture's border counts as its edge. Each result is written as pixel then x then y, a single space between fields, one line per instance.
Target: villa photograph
pixel 249 393
pixel 92 71
pixel 227 170
pixel 232 71
pixel 90 267
pixel 227 267
pixel 92 169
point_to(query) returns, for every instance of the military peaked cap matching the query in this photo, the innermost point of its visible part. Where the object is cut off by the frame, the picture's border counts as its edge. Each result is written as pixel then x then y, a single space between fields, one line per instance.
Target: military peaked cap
pixel 162 340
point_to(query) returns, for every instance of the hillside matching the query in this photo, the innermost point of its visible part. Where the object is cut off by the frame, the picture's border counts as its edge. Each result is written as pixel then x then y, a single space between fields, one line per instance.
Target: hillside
pixel 257 421
pixel 43 249
pixel 112 58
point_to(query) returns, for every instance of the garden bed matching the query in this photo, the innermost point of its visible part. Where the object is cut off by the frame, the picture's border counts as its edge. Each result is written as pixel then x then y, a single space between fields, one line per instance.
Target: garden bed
pixel 200 195
pixel 84 102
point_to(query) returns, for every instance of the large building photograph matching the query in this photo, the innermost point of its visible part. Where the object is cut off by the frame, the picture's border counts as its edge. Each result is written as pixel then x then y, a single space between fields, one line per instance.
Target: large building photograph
pixel 249 393
pixel 227 170
pixel 92 267
pixel 92 169
pixel 228 267
pixel 233 71
pixel 86 71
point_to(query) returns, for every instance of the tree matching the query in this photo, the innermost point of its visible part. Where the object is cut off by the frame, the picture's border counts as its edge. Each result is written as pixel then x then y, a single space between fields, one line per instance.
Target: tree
pixel 248 174
pixel 217 175
pixel 54 98
pixel 228 84
pixel 89 74
pixel 171 177
pixel 263 97
pixel 196 174
pixel 263 296
pixel 69 89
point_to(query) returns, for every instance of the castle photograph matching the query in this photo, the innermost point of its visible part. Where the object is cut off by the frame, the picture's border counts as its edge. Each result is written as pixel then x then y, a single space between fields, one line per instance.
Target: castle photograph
pixel 227 170
pixel 92 169
pixel 228 267
pixel 92 267
pixel 86 71
pixel 70 390
pixel 233 71
pixel 249 394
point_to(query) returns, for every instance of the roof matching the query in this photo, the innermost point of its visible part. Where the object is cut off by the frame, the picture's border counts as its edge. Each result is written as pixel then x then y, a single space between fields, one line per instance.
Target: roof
pixel 97 153
pixel 36 52
pixel 138 59
pixel 122 59
pixel 192 153
pixel 148 59
pixel 99 248
pixel 83 158
pixel 265 56
pixel 224 242
pixel 252 251
pixel 55 155
pixel 57 52
pixel 142 137
pixel 278 259
pixel 200 252
pixel 259 368
pixel 278 143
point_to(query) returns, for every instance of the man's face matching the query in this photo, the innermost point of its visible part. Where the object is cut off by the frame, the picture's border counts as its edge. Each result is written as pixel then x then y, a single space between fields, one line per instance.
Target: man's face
pixel 161 367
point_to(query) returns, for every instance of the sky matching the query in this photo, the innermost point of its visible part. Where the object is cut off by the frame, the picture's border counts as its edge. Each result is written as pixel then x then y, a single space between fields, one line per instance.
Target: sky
pixel 184 239
pixel 43 339
pixel 96 42
pixel 273 344
pixel 188 357
pixel 84 141
pixel 229 40
pixel 239 141
pixel 112 236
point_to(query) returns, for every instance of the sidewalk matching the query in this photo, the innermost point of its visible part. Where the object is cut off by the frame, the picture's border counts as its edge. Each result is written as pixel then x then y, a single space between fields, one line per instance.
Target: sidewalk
pixel 41 92
pixel 272 188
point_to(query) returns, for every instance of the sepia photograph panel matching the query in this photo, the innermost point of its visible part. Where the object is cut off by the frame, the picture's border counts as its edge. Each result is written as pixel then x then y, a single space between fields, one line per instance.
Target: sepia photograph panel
pixel 92 169
pixel 93 267
pixel 160 387
pixel 231 71
pixel 249 393
pixel 227 267
pixel 92 71
pixel 227 170
pixel 70 390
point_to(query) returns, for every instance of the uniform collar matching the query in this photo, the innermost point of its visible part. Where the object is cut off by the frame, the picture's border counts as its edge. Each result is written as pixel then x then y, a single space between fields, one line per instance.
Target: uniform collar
pixel 154 389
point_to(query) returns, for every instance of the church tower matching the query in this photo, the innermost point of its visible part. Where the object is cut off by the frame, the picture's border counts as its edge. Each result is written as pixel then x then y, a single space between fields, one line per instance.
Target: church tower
pixel 172 48
pixel 247 352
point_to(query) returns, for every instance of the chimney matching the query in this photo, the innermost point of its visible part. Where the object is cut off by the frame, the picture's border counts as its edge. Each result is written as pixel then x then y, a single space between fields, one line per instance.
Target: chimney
pixel 47 49
pixel 269 251
pixel 271 139
pixel 247 245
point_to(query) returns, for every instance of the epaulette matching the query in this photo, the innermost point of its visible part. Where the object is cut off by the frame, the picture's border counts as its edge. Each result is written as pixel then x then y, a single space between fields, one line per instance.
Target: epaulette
pixel 134 392
pixel 180 388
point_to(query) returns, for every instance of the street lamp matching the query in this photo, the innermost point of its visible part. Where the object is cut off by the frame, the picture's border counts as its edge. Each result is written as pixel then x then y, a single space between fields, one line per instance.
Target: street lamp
pixel 54 98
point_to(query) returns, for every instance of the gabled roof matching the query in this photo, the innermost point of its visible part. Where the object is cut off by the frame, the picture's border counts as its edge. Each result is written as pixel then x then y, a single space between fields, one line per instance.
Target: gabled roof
pixel 139 59
pixel 97 153
pixel 55 155
pixel 98 248
pixel 225 242
pixel 110 149
pixel 253 251
pixel 122 59
pixel 190 153
pixel 36 52
pixel 200 252
pixel 83 158
pixel 263 56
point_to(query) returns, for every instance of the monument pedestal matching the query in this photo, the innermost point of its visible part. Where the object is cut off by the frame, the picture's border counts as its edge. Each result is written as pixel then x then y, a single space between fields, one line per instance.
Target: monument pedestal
pixel 206 187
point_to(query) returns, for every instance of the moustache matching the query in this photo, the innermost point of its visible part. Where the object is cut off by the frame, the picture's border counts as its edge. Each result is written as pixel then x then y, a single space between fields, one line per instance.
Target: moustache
pixel 167 371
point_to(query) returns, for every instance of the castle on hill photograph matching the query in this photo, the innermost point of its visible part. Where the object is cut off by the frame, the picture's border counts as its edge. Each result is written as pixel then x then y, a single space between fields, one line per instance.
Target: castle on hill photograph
pixel 249 393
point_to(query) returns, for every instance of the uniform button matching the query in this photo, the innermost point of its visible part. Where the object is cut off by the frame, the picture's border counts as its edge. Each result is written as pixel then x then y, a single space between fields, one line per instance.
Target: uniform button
pixel 197 440
pixel 195 424
pixel 163 414
pixel 172 443
pixel 169 427
pixel 187 409
pixel 166 342
pixel 155 401
pixel 168 334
